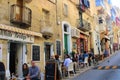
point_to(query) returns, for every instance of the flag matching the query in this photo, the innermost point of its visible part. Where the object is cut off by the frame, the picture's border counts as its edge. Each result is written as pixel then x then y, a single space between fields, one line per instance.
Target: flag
pixel 113 14
pixel 117 21
pixel 99 2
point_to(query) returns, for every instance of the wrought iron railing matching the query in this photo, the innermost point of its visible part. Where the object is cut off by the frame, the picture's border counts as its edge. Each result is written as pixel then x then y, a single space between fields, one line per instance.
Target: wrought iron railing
pixel 83 25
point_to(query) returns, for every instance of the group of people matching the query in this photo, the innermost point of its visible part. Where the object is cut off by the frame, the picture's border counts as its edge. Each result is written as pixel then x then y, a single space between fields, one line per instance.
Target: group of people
pixel 31 73
pixel 85 58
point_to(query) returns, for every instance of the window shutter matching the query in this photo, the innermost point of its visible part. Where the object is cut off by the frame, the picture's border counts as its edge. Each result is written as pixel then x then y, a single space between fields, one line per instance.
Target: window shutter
pixel 58 47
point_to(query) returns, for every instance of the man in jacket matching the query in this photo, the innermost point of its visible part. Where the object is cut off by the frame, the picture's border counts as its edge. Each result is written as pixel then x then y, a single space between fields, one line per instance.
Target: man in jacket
pixel 34 72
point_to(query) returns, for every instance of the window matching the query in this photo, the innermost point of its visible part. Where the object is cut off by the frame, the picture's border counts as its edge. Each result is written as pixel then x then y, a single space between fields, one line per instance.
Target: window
pixel 46 17
pixel 36 53
pixel 100 20
pixel 86 3
pixel 65 28
pixel 58 47
pixel 99 2
pixel 65 10
pixel 74 45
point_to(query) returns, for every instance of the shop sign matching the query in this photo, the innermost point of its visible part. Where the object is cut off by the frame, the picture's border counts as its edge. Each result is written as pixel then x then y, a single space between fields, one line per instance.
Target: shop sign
pixel 4 34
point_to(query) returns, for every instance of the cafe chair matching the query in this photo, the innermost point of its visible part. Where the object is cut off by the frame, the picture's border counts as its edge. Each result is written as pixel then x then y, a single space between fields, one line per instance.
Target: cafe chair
pixel 86 61
pixel 70 69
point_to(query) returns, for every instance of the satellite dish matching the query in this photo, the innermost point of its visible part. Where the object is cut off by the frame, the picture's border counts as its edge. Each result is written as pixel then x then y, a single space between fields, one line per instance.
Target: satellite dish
pixel 28 1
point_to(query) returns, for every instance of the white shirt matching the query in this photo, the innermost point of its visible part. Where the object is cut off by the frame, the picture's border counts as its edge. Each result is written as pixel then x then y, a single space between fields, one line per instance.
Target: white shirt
pixel 67 62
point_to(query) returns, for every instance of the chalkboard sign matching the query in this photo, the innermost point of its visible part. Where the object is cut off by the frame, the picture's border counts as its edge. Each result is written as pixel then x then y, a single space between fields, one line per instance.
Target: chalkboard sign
pixel 50 71
pixel 36 53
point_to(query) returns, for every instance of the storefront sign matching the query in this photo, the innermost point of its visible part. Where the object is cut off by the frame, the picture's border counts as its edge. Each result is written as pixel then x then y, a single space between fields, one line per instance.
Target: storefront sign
pixel 4 34
pixel 0 52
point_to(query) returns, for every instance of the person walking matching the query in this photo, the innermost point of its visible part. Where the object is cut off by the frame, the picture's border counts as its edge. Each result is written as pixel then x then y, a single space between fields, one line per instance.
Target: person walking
pixel 59 77
pixel 90 55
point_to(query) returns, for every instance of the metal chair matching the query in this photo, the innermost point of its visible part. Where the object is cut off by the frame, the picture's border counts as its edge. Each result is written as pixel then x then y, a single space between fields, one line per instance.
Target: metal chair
pixel 86 61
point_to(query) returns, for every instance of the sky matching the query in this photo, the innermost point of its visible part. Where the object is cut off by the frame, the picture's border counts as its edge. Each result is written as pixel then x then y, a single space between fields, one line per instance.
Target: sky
pixel 116 2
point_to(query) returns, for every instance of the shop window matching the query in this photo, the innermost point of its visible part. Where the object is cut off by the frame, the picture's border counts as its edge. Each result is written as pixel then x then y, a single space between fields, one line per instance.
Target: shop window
pixel 58 47
pixel 36 53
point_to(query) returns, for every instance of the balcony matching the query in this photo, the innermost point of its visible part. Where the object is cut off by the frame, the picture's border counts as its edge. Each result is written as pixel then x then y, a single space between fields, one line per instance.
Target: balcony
pixel 81 8
pixel 84 25
pixel 20 15
pixel 46 29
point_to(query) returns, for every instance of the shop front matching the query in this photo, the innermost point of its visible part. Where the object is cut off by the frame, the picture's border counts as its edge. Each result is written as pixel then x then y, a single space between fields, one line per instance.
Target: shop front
pixel 82 43
pixel 13 44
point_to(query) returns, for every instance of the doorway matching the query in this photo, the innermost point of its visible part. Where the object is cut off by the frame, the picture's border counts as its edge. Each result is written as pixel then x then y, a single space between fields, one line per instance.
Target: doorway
pixel 81 45
pixel 47 52
pixel 66 43
pixel 16 57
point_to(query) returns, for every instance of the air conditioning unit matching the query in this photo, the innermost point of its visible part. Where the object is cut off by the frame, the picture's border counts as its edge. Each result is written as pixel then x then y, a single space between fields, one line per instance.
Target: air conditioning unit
pixel 75 33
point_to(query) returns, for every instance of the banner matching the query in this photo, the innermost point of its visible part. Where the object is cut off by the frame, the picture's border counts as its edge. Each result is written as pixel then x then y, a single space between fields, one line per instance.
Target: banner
pixel 117 21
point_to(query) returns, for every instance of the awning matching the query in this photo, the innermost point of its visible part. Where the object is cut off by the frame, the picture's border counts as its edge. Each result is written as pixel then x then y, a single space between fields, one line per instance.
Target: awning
pixel 18 30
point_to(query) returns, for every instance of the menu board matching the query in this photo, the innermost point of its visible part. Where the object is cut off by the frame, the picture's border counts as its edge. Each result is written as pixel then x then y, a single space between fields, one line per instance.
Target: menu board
pixel 50 71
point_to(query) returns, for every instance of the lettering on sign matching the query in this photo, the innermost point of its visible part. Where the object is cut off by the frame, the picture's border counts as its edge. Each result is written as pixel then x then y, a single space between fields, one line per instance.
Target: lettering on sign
pixel 4 34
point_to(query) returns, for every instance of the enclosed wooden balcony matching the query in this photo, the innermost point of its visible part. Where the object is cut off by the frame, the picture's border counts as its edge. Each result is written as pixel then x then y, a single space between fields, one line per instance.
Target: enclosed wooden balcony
pixel 84 25
pixel 20 15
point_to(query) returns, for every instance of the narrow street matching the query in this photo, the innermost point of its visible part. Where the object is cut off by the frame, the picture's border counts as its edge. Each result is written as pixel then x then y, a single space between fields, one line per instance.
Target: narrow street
pixel 107 70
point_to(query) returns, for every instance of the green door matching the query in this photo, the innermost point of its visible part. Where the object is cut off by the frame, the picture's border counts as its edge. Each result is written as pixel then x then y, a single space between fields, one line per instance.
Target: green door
pixel 66 42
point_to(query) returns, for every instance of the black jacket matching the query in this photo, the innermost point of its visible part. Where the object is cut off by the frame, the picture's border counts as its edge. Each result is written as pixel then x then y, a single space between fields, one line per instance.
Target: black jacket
pixel 2 66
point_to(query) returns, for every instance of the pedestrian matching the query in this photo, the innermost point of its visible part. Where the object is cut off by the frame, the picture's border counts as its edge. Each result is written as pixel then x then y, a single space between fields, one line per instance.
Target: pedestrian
pixel 90 58
pixel 25 70
pixel 2 71
pixel 66 63
pixel 59 76
pixel 34 72
pixel 106 53
pixel 80 59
